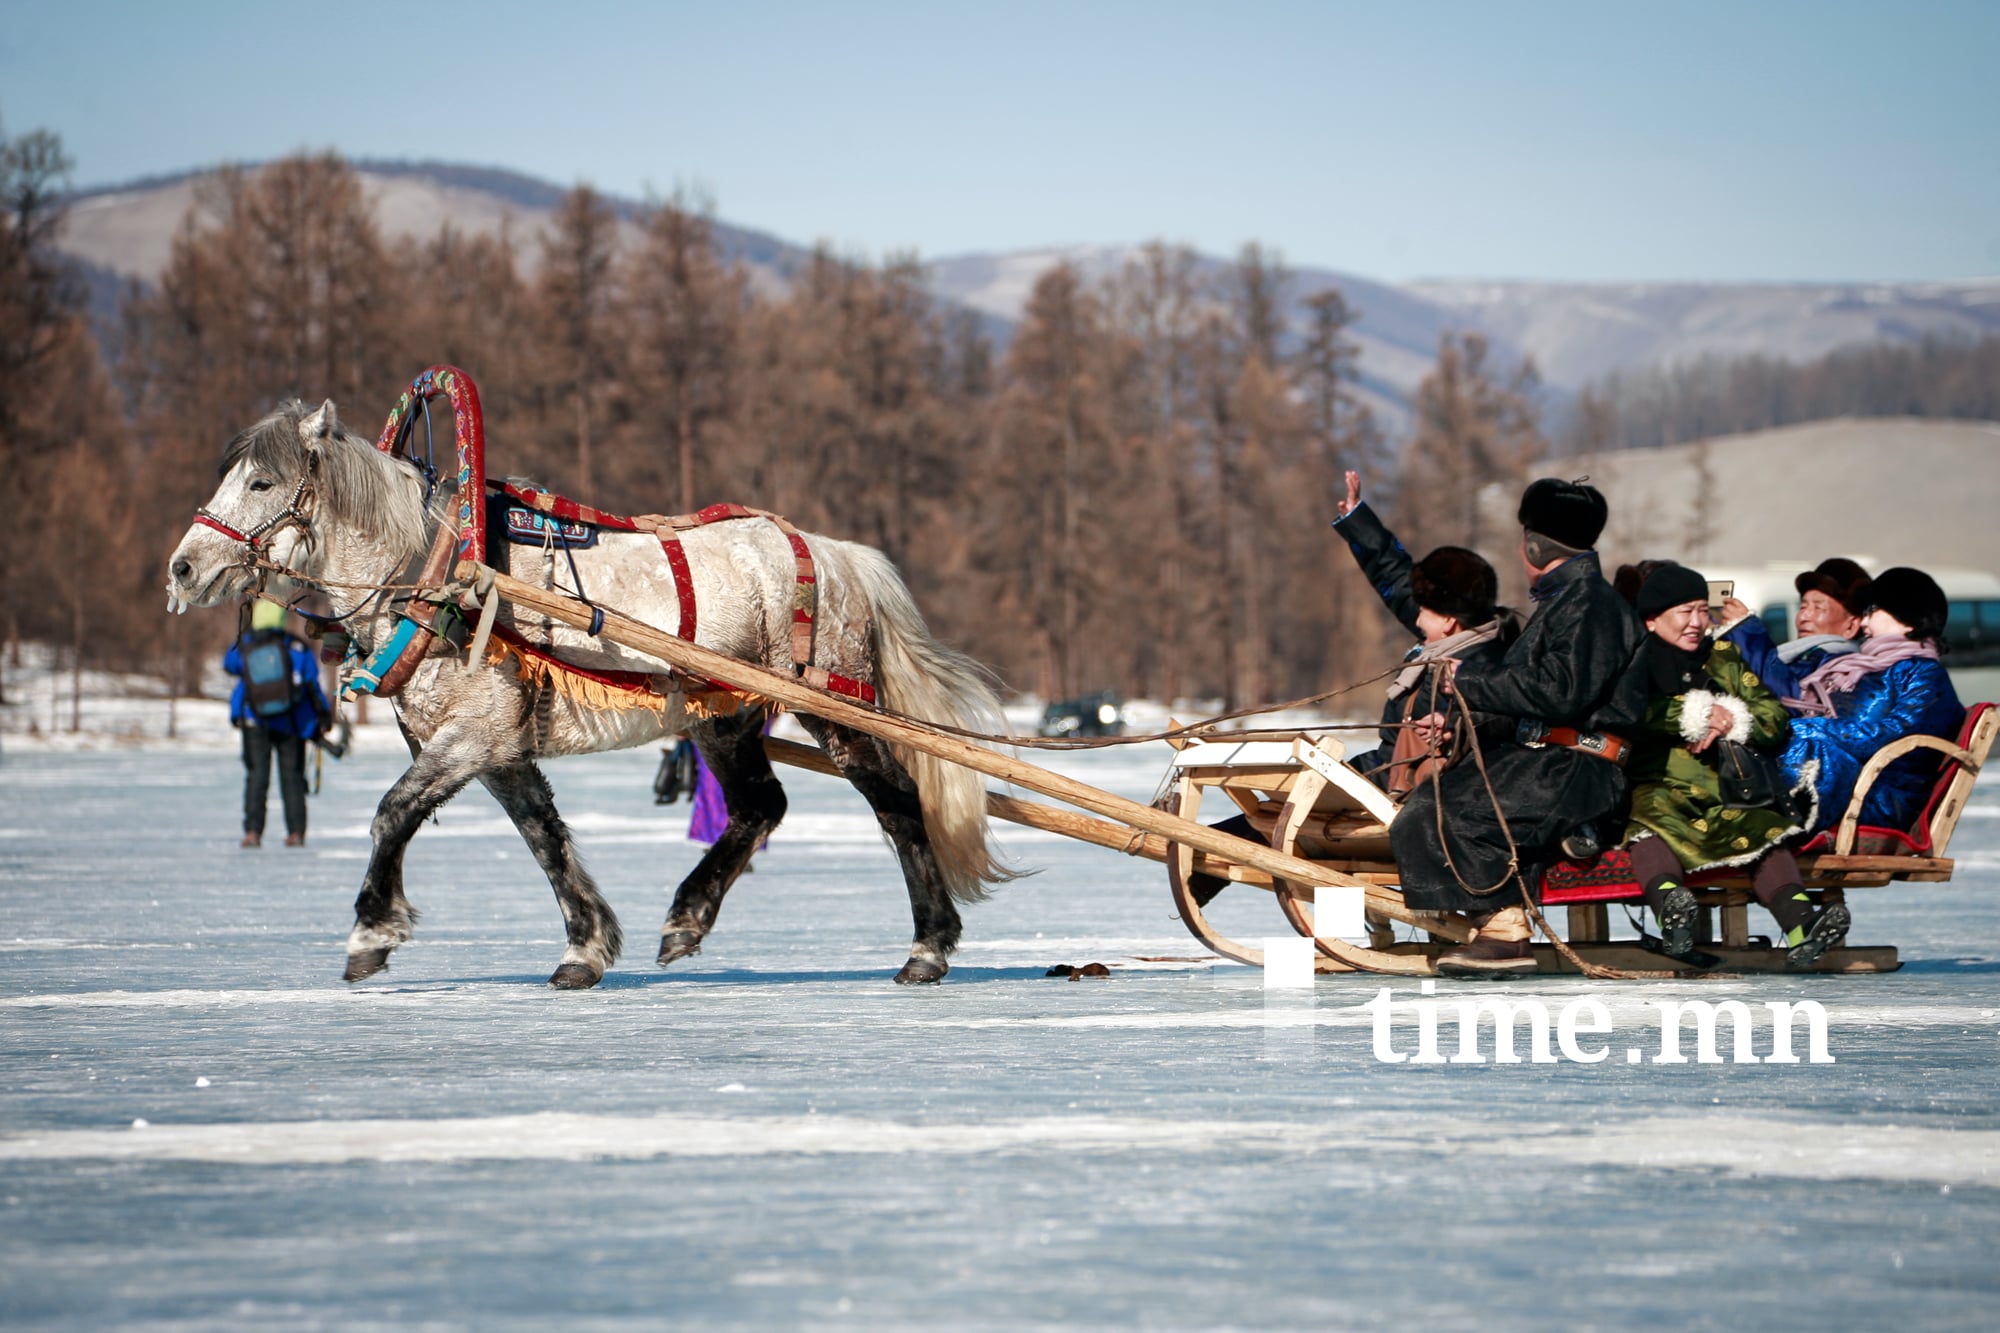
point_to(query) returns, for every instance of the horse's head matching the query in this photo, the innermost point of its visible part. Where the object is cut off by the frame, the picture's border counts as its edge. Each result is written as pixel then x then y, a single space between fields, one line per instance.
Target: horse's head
pixel 290 484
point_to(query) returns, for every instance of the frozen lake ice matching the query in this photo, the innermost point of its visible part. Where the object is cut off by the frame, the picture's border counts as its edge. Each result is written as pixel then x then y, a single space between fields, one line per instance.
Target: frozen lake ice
pixel 770 1134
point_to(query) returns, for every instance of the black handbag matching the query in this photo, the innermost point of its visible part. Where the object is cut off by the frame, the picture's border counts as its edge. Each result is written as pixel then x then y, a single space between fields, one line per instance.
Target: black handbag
pixel 1752 780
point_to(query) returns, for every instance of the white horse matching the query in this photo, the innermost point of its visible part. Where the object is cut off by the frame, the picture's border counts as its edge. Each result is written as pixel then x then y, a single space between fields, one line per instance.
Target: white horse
pixel 357 517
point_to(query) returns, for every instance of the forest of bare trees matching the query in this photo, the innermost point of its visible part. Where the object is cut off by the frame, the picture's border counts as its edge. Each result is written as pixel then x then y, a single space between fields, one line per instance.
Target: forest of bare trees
pixel 1134 496
pixel 1715 395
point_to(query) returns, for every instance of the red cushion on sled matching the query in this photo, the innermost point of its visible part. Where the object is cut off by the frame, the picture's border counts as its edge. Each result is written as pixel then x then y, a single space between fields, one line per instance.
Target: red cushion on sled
pixel 1608 879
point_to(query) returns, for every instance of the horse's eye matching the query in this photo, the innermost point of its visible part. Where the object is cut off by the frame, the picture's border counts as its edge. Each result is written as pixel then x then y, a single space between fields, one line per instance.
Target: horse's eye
pixel 260 485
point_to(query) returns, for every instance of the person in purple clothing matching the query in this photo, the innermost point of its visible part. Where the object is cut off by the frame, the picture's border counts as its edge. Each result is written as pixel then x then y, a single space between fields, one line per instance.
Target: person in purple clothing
pixel 1833 598
pixel 710 816
pixel 279 706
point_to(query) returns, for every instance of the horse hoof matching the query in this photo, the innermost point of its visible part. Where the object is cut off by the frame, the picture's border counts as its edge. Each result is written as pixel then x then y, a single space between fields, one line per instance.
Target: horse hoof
pixel 921 972
pixel 677 944
pixel 361 966
pixel 575 976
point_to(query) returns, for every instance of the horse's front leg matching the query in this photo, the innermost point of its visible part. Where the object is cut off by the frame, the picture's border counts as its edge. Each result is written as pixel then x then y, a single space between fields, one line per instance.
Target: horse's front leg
pixel 733 749
pixel 594 936
pixel 383 918
pixel 891 793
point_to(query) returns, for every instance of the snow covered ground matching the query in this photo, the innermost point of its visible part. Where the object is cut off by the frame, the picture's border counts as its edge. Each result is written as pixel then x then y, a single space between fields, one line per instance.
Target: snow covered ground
pixel 201 1127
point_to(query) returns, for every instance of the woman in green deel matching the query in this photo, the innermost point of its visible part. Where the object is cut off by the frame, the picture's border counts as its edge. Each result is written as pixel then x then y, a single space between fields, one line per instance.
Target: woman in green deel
pixel 1703 694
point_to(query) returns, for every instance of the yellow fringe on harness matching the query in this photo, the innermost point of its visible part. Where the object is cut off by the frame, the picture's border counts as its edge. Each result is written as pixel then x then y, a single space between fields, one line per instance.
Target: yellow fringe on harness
pixel 596 695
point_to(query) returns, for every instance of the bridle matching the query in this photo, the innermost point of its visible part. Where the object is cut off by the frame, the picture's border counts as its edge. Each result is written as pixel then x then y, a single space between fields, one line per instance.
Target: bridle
pixel 298 513
pixel 292 515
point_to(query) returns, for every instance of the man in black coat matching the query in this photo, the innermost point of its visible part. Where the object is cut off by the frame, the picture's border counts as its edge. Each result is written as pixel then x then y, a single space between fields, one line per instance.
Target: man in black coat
pixel 1568 688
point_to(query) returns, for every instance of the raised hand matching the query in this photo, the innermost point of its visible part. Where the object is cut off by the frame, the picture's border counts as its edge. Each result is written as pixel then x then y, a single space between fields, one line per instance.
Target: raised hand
pixel 1345 507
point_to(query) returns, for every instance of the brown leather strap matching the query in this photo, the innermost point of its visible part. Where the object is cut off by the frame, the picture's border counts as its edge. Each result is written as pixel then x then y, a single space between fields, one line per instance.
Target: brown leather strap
pixel 1602 744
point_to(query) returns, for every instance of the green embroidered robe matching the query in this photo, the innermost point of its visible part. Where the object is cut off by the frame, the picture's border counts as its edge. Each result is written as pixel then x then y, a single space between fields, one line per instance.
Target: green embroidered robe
pixel 1677 794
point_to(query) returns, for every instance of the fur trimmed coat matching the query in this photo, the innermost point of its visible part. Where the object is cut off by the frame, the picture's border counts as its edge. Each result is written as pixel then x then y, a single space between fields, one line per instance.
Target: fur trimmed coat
pixel 1677 794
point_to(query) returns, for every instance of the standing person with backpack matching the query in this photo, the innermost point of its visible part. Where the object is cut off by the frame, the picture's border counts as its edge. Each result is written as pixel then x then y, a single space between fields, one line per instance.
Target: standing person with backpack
pixel 279 706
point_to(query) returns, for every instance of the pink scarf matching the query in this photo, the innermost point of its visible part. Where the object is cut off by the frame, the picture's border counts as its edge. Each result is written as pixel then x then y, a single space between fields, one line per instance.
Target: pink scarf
pixel 1841 674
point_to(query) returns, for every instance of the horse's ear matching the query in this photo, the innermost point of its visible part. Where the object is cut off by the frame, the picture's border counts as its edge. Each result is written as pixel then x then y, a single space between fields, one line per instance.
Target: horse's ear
pixel 321 425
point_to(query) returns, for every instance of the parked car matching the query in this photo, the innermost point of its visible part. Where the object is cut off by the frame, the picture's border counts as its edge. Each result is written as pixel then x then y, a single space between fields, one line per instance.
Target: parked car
pixel 1100 714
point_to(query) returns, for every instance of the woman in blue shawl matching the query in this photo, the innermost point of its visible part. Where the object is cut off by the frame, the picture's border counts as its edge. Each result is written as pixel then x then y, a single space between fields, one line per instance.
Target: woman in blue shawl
pixel 1893 686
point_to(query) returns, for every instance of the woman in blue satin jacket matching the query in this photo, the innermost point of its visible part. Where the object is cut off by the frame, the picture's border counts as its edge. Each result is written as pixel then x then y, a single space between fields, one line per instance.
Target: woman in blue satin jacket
pixel 1855 704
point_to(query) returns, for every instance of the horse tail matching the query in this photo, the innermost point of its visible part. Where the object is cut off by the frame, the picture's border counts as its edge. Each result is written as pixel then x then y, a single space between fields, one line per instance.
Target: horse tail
pixel 922 678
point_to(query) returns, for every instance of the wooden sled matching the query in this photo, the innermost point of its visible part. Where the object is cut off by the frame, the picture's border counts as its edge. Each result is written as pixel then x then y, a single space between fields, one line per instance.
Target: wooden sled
pixel 1308 805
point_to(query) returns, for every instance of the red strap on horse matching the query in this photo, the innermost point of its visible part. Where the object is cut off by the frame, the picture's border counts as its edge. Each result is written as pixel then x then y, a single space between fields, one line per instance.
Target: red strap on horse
pixel 677 561
pixel 203 517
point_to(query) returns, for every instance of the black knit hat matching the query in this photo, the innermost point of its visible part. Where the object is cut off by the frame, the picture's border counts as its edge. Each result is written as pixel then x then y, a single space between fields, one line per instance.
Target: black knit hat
pixel 1565 511
pixel 1667 586
pixel 1840 579
pixel 1913 597
pixel 1453 581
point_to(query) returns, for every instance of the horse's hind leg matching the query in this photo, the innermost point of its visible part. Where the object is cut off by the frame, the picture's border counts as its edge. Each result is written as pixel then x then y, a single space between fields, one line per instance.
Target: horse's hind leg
pixel 594 937
pixel 891 793
pixel 383 918
pixel 733 749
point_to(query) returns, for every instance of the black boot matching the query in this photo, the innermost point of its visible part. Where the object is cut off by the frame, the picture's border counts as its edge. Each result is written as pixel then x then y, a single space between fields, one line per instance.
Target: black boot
pixel 1828 929
pixel 1677 912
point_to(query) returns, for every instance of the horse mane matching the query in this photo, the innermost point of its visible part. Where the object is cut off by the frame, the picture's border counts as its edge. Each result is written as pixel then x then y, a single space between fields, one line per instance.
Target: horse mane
pixel 359 485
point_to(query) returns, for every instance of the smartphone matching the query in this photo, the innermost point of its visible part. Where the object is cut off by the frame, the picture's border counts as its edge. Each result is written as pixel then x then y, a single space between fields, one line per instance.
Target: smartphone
pixel 1719 591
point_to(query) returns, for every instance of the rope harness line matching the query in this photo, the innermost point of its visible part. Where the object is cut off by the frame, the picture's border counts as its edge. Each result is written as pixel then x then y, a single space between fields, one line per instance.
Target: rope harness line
pixel 1197 730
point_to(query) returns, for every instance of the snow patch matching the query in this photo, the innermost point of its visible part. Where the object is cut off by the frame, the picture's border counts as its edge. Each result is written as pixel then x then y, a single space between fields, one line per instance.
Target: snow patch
pixel 1734 1145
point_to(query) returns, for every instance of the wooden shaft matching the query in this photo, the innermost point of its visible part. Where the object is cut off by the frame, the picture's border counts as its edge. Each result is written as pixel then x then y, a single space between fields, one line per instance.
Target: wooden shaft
pixel 1031 814
pixel 802 698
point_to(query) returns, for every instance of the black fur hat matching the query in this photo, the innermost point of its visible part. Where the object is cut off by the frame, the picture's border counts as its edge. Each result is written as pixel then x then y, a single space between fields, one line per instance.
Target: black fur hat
pixel 1669 585
pixel 1453 581
pixel 1565 511
pixel 1913 597
pixel 1840 579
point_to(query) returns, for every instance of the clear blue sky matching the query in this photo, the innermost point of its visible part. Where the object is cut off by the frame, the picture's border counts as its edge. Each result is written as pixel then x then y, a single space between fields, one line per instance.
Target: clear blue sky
pixel 1589 141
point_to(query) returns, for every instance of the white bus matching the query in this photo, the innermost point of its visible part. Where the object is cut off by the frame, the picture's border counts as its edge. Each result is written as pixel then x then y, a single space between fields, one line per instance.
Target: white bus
pixel 1973 630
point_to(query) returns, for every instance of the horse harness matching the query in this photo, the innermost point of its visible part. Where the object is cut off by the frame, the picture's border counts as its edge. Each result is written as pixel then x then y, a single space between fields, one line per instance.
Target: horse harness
pixel 433 613
pixel 667 529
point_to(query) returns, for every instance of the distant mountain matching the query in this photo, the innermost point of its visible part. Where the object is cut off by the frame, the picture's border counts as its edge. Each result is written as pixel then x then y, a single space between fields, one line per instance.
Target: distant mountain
pixel 1578 332
pixel 129 229
pixel 1398 333
pixel 1574 331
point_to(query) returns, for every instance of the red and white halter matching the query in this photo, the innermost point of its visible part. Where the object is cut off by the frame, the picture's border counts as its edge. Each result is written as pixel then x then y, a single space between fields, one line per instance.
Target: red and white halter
pixel 292 515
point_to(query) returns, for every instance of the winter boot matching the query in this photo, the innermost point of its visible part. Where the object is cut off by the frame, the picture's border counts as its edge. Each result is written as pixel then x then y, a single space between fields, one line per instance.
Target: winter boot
pixel 1809 945
pixel 1677 912
pixel 1502 946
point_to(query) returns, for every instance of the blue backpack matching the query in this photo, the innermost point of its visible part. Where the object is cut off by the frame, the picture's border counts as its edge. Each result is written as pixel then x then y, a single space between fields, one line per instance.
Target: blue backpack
pixel 268 687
